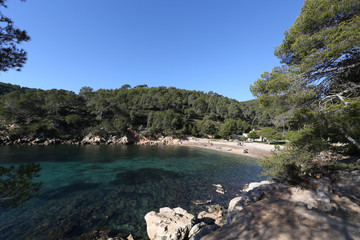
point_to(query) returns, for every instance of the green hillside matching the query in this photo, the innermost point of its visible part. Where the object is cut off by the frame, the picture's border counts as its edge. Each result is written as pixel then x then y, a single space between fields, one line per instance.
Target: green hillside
pixel 149 111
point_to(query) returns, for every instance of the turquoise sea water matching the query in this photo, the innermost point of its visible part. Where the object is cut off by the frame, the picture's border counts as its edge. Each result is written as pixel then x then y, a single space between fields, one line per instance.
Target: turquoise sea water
pixel 112 187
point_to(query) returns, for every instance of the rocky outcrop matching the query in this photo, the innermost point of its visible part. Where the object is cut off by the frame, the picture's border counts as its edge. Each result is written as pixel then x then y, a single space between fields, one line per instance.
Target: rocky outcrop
pixel 326 208
pixel 178 224
pixel 160 141
pixel 111 140
pixel 6 140
pixel 315 197
pixel 171 224
pixel 215 214
pixel 90 139
pixel 276 219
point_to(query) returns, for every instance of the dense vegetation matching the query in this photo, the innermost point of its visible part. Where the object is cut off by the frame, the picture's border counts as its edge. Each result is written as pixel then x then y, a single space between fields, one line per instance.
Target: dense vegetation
pixel 149 111
pixel 7 88
pixel 16 183
pixel 318 88
pixel 11 55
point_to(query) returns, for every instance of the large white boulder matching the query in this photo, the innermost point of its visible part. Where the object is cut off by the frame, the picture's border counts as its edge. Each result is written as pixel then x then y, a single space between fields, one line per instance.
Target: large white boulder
pixel 169 224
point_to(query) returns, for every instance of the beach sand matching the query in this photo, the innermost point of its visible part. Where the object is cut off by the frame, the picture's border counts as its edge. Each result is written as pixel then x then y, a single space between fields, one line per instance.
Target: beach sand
pixel 255 150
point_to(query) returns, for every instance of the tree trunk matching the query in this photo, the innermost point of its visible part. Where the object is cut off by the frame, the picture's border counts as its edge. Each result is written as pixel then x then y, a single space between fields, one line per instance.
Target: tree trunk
pixel 353 141
pixel 350 139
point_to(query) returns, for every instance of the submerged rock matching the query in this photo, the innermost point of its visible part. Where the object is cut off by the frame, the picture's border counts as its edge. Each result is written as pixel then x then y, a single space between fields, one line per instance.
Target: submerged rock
pixel 219 188
pixel 202 202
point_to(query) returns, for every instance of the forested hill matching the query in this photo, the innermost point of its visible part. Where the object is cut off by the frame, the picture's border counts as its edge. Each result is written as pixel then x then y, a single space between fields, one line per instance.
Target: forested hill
pixel 6 88
pixel 149 111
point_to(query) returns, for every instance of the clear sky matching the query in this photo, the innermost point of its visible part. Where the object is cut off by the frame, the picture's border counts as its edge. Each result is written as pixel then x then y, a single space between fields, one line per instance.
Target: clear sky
pixel 207 45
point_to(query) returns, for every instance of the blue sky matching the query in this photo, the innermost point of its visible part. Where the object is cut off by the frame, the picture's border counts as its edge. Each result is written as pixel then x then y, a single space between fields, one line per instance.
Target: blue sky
pixel 207 45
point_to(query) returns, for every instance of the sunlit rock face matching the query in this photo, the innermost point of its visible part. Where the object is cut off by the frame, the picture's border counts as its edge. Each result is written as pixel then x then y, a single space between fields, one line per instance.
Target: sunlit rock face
pixel 171 224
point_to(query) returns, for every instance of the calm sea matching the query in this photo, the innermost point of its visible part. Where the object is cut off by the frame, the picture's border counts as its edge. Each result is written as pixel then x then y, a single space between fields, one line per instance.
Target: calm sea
pixel 107 187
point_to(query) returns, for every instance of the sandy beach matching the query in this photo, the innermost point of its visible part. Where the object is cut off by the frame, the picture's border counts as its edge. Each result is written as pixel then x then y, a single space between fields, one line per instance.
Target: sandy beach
pixel 255 150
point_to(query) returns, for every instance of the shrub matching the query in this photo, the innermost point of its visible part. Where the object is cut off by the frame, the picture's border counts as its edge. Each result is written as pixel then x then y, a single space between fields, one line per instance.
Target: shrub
pixel 253 134
pixel 291 166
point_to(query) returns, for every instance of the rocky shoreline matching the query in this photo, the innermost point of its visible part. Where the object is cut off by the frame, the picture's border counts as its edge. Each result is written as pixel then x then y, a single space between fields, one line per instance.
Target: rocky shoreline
pixel 90 139
pixel 254 150
pixel 326 208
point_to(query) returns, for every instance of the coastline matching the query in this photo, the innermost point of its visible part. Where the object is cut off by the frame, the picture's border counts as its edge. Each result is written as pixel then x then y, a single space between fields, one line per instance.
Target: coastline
pixel 255 150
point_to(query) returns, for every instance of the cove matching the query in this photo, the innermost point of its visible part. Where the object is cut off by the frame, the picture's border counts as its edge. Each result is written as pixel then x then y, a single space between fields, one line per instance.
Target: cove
pixel 113 187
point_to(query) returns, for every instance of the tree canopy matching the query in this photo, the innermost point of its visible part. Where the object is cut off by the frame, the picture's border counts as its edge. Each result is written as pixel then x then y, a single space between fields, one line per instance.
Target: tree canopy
pixel 11 55
pixel 270 134
pixel 321 51
pixel 323 45
pixel 317 88
pixel 155 110
pixel 16 183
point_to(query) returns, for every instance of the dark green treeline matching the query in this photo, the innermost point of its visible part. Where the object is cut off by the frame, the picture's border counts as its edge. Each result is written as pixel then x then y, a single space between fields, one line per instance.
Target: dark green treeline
pixel 149 111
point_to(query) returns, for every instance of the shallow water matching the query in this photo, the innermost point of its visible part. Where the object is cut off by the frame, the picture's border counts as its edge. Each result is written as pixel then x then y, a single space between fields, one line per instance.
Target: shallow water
pixel 111 187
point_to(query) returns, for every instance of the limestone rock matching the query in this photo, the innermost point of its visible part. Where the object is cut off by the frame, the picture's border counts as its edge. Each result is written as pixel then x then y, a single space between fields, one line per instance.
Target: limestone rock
pixel 233 202
pixel 281 219
pixel 130 237
pixel 201 202
pixel 203 230
pixel 219 188
pixel 123 140
pixel 169 224
pixel 253 185
pixel 215 214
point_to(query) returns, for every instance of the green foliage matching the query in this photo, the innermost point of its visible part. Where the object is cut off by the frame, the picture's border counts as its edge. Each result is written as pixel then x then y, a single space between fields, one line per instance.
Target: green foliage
pixel 325 36
pixel 153 110
pixel 292 166
pixel 255 114
pixel 12 57
pixel 125 86
pixel 7 88
pixel 319 84
pixel 167 122
pixel 253 134
pixel 300 161
pixel 193 130
pixel 86 92
pixel 244 138
pixel 207 127
pixel 16 185
pixel 73 119
pixel 270 134
pixel 308 139
pixel 229 127
pixel 343 119
pixel 141 86
pixel 232 126
pixel 37 128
